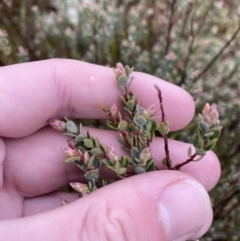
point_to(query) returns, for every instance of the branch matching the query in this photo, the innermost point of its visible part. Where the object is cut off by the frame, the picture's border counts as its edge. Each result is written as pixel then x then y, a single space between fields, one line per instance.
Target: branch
pixel 170 25
pixel 178 166
pixel 168 160
pixel 212 61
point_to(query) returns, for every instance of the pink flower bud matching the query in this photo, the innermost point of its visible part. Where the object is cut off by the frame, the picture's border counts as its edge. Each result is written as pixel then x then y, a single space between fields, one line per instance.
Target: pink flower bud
pixel 70 152
pixel 149 112
pixel 120 69
pixel 111 153
pixel 57 124
pixel 86 157
pixel 214 116
pixel 206 109
pixel 80 187
pixel 210 114
pixel 113 110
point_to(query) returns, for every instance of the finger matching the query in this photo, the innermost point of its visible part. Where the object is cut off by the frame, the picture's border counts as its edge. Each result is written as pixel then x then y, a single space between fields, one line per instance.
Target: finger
pixel 2 156
pixel 167 205
pixel 39 169
pixel 31 93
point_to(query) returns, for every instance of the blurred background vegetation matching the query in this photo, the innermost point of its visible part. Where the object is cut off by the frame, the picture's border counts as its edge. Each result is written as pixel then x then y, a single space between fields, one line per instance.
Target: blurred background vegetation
pixel 192 43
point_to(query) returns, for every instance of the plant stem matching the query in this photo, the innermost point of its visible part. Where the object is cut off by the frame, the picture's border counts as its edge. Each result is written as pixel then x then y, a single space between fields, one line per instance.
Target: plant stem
pixel 178 166
pixel 170 25
pixel 166 148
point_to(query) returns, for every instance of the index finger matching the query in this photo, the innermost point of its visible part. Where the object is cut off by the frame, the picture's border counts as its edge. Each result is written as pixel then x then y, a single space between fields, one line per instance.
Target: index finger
pixel 31 93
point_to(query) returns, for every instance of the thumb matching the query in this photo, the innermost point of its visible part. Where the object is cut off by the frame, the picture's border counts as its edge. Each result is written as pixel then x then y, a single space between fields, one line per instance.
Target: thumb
pixel 162 205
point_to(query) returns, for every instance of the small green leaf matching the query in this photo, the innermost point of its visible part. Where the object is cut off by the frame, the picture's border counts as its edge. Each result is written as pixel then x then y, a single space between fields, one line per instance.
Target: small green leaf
pixel 189 152
pixel 111 125
pixel 96 151
pixel 122 80
pixel 121 140
pixel 81 166
pixel 149 125
pixel 69 134
pixel 90 162
pixel 164 161
pixel 139 109
pixel 122 126
pixel 130 105
pixel 208 134
pixel 121 88
pixel 80 138
pixel 130 82
pixel 211 144
pixel 139 170
pixel 151 166
pixel 88 143
pixel 133 128
pixel 134 153
pixel 107 162
pixel 121 171
pixel 121 175
pixel 216 135
pixel 145 134
pixel 163 128
pixel 124 161
pixel 152 136
pixel 92 174
pixel 130 139
pixel 132 96
pixel 72 159
pixel 198 159
pixel 200 142
pixel 128 112
pixel 80 147
pixel 200 152
pixel 116 165
pixel 210 147
pixel 71 127
pixel 203 126
pixel 123 100
pixel 111 168
pixel 140 120
pixel 137 161
pixel 97 143
pixel 197 141
pixel 80 128
pixel 88 135
pixel 97 163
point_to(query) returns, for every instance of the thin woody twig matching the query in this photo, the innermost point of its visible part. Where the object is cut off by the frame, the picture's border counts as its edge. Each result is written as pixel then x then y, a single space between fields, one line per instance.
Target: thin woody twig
pixel 178 166
pixel 212 61
pixel 166 148
pixel 161 102
pixel 170 25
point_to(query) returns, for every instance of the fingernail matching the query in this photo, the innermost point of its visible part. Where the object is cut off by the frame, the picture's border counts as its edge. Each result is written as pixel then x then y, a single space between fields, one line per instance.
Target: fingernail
pixel 184 208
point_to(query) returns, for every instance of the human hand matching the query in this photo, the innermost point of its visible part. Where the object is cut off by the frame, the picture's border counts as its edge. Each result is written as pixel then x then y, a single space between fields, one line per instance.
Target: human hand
pixel 160 205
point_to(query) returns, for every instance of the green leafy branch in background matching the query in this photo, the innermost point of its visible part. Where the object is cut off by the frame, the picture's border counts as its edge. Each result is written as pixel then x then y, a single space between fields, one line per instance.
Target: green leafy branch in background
pixel 135 135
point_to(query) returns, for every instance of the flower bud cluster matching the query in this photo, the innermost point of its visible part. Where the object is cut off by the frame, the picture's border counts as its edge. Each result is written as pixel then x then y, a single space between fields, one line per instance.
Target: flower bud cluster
pixel 209 131
pixel 210 114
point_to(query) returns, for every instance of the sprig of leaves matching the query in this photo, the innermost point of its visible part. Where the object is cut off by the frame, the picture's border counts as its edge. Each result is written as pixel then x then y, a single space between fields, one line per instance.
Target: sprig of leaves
pixel 136 132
